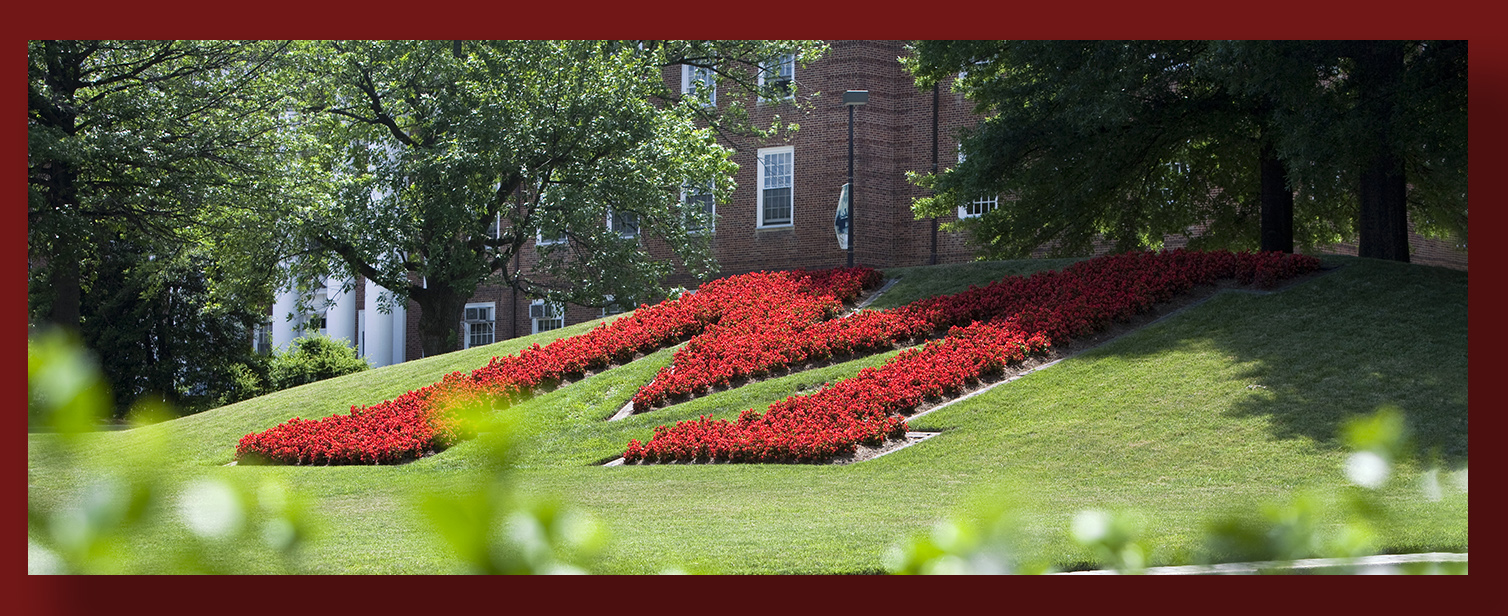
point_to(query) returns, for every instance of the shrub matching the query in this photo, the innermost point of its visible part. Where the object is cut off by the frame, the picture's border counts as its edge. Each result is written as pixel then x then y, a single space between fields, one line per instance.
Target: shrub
pixel 247 380
pixel 310 359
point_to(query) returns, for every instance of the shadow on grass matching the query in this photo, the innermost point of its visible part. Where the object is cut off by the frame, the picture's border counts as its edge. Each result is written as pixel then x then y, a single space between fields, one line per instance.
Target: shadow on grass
pixel 1373 333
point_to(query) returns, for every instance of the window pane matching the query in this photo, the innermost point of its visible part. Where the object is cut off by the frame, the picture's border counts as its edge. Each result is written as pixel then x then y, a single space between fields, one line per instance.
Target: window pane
pixel 778 74
pixel 698 206
pixel 777 206
pixel 777 170
pixel 626 223
pixel 481 333
pixel 979 206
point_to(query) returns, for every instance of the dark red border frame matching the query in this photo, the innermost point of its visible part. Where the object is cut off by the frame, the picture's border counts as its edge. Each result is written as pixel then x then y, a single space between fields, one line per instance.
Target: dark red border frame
pixel 794 595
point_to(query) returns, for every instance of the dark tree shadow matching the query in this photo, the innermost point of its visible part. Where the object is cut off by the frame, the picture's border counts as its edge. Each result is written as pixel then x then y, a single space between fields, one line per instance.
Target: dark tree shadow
pixel 1370 334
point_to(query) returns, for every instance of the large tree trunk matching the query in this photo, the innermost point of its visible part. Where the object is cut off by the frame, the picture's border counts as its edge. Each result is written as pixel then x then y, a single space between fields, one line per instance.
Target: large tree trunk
pixel 1383 221
pixel 1384 211
pixel 65 291
pixel 67 250
pixel 1277 203
pixel 441 309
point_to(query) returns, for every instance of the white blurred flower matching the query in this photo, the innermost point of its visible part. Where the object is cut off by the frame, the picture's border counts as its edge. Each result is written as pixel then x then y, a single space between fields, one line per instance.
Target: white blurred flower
pixel 945 535
pixel 42 561
pixel 210 509
pixel 1429 484
pixel 1366 469
pixel 1091 525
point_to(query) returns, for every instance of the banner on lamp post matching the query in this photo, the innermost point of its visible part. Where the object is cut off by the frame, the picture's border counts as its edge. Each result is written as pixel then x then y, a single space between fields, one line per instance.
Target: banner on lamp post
pixel 841 220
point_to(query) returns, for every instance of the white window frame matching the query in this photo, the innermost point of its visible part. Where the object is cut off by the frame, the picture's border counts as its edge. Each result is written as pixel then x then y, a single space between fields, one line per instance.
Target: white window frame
pixel 976 207
pixel 534 323
pixel 709 211
pixel 611 303
pixel 467 323
pixel 696 77
pixel 759 175
pixel 612 220
pixel 539 238
pixel 497 227
pixel 783 60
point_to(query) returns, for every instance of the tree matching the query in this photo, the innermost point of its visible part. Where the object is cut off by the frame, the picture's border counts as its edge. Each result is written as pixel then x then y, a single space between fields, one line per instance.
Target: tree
pixel 1125 141
pixel 169 140
pixel 147 161
pixel 161 336
pixel 1128 141
pixel 1375 128
pixel 448 158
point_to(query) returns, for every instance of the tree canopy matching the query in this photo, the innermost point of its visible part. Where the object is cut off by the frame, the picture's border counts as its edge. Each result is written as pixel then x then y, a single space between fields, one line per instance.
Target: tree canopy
pixel 1128 141
pixel 169 140
pixel 142 158
pixel 447 158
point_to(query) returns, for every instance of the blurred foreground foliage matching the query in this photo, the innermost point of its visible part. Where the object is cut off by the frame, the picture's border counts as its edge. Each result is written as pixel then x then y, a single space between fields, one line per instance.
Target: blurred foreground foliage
pixel 1273 535
pixel 219 522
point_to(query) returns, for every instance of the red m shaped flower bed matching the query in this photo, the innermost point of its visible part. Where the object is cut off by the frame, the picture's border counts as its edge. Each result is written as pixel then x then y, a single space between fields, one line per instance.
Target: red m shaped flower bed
pixel 746 326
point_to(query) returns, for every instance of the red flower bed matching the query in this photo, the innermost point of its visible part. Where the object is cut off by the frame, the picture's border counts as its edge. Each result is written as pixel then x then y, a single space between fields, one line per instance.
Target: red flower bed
pixel 1007 320
pixel 425 420
pixel 767 323
pixel 782 328
pixel 746 326
pixel 835 420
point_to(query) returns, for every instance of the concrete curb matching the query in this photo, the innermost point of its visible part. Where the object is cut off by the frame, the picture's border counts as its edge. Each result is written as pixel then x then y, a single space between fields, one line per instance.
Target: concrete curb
pixel 1384 564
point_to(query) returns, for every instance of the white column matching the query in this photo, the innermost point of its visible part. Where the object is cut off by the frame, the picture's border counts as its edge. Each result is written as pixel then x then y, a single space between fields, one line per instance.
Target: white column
pixel 340 313
pixel 283 329
pixel 379 328
pixel 400 331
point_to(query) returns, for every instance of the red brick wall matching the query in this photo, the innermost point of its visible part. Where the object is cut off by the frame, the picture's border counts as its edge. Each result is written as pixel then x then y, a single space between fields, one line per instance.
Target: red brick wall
pixel 1422 250
pixel 892 135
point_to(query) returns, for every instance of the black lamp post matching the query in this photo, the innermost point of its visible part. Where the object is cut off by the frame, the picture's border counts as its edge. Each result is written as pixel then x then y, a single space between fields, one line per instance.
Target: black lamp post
pixel 852 98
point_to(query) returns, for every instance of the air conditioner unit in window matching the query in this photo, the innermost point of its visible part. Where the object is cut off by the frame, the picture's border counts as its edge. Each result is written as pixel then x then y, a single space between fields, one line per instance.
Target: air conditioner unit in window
pixel 544 310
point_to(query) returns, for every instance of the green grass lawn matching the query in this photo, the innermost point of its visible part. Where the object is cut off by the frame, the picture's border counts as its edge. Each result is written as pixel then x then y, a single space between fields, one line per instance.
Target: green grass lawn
pixel 1238 400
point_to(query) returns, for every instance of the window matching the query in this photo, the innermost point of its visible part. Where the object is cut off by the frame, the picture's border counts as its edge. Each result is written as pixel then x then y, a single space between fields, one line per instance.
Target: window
pixel 699 208
pixel 976 207
pixel 261 339
pixel 314 323
pixel 546 315
pixel 623 223
pixel 541 240
pixel 776 168
pixel 612 307
pixel 480 325
pixel 548 234
pixel 776 77
pixel 698 80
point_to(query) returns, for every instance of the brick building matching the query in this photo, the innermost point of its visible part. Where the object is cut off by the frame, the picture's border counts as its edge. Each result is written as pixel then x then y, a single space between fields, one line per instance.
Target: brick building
pixel 780 215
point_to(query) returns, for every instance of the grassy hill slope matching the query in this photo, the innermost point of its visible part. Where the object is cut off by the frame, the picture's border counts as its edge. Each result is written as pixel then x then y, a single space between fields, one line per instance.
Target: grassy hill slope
pixel 1235 401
